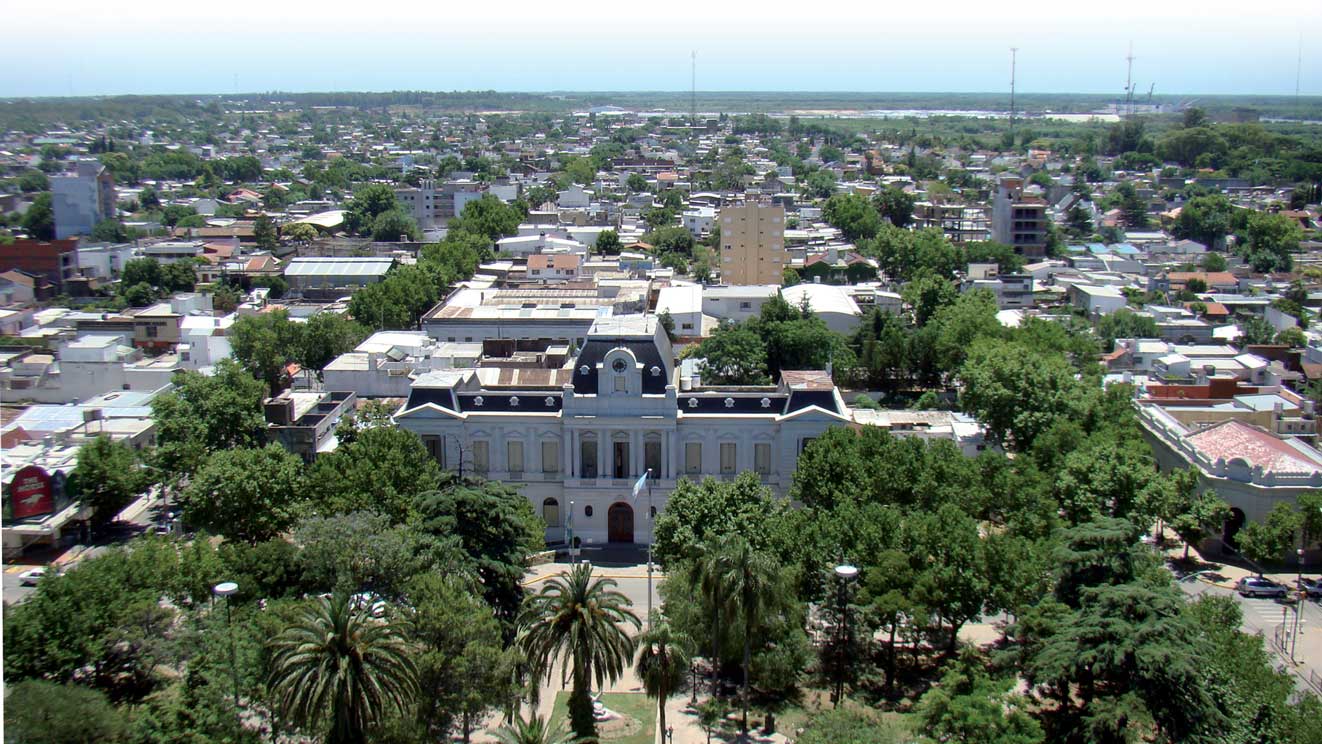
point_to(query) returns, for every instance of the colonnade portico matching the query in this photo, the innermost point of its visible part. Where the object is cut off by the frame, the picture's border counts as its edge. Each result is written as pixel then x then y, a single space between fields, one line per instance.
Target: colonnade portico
pixel 636 434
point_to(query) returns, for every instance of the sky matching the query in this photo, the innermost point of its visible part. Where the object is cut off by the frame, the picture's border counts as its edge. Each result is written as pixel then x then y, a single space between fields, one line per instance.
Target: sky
pixel 153 46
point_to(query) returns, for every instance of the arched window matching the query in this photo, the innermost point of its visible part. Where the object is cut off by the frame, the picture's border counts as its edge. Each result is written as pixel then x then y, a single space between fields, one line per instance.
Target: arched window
pixel 551 512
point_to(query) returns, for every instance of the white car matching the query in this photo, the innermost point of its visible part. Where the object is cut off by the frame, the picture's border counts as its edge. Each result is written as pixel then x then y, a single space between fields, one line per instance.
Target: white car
pixel 31 576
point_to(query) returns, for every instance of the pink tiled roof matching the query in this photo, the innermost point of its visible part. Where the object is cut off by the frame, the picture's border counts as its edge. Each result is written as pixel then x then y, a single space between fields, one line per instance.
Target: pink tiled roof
pixel 1235 439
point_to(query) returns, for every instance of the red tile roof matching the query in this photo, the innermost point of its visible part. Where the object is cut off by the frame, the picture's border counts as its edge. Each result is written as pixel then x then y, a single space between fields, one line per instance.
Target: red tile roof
pixel 1231 440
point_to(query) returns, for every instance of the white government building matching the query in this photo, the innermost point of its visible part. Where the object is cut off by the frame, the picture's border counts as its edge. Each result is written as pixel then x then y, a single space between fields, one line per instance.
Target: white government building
pixel 580 436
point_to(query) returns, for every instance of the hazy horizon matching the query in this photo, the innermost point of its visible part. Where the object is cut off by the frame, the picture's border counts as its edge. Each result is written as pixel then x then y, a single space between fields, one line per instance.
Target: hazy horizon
pixel 1187 48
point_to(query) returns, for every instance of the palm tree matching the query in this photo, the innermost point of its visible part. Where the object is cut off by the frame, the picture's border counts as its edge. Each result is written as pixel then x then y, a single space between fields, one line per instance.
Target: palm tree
pixel 338 661
pixel 751 578
pixel 532 731
pixel 581 622
pixel 707 577
pixel 663 661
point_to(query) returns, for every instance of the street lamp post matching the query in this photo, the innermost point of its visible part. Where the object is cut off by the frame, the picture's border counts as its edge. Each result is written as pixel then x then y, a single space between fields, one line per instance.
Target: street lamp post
pixel 226 590
pixel 845 573
pixel 1299 595
pixel 651 538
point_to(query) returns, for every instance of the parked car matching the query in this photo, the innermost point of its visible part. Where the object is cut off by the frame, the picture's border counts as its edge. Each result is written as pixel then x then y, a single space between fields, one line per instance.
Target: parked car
pixel 31 576
pixel 1258 586
pixel 1312 587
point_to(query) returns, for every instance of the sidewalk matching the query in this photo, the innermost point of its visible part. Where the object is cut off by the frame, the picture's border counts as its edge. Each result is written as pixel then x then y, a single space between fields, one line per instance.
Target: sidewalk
pixel 1306 661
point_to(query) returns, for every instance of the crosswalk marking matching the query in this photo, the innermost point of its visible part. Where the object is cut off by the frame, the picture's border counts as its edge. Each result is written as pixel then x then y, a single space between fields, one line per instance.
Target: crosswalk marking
pixel 1265 611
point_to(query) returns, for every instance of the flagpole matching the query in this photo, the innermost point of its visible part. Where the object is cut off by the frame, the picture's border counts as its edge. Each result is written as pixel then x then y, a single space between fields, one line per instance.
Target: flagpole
pixel 651 538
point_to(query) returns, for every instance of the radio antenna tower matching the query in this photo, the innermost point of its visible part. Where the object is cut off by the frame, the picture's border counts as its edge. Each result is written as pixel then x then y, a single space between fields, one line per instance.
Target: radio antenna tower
pixel 1298 72
pixel 1129 81
pixel 1014 51
pixel 693 90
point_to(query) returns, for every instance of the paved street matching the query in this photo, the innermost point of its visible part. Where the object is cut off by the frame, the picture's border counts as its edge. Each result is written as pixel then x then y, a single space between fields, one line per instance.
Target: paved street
pixel 1266 617
pixel 136 518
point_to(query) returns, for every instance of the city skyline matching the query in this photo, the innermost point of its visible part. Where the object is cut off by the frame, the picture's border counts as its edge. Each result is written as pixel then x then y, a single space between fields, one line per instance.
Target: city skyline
pixel 1216 48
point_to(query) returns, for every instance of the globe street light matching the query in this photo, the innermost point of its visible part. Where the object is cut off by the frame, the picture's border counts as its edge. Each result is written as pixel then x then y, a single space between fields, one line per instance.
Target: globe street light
pixel 227 589
pixel 1299 596
pixel 846 575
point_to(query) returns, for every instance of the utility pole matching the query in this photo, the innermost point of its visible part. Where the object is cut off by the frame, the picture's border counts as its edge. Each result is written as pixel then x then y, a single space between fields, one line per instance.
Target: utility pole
pixel 1014 51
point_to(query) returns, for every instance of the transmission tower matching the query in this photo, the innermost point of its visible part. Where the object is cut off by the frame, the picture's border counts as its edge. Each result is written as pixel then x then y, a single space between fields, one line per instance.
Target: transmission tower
pixel 1129 81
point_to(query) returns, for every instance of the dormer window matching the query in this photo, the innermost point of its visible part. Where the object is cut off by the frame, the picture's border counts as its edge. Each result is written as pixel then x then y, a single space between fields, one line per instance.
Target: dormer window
pixel 477 401
pixel 619 365
pixel 550 401
pixel 693 402
pixel 584 370
pixel 766 402
pixel 729 402
pixel 514 401
pixel 656 371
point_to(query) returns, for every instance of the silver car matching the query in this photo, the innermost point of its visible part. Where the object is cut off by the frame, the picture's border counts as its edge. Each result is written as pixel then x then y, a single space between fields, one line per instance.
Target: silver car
pixel 1258 586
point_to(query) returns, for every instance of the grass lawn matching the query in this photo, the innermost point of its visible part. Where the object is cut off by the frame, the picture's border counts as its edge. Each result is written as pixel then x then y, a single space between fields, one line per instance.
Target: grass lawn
pixel 630 704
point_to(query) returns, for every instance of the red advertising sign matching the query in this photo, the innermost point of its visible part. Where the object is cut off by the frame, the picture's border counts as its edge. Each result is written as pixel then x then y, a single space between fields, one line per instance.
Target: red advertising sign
pixel 31 493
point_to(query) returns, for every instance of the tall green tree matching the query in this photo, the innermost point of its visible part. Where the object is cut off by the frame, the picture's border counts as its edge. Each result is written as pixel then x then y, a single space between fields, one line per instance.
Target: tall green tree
pixel 495 526
pixel 852 215
pixel 663 662
pixel 895 204
pixel 973 708
pixel 734 354
pixel 464 667
pixel 608 242
pixel 108 476
pixel 264 233
pixel 1193 512
pixel 245 494
pixel 1205 219
pixel 1268 241
pixel 326 336
pixel 1015 392
pixel 384 470
pixel 39 219
pixel 489 216
pixel 368 202
pixel 579 621
pixel 1270 539
pixel 264 344
pixel 395 225
pixel 697 513
pixel 42 711
pixel 203 414
pixel 336 669
pixel 751 581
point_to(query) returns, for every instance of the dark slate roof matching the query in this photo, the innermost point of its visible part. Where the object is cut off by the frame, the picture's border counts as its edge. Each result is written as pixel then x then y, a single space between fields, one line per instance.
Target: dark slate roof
pixel 442 397
pixel 595 350
pixel 824 399
pixel 715 402
pixel 534 401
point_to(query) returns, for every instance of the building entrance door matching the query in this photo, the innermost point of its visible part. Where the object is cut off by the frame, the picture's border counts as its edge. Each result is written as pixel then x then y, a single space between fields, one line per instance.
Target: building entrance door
pixel 619 523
